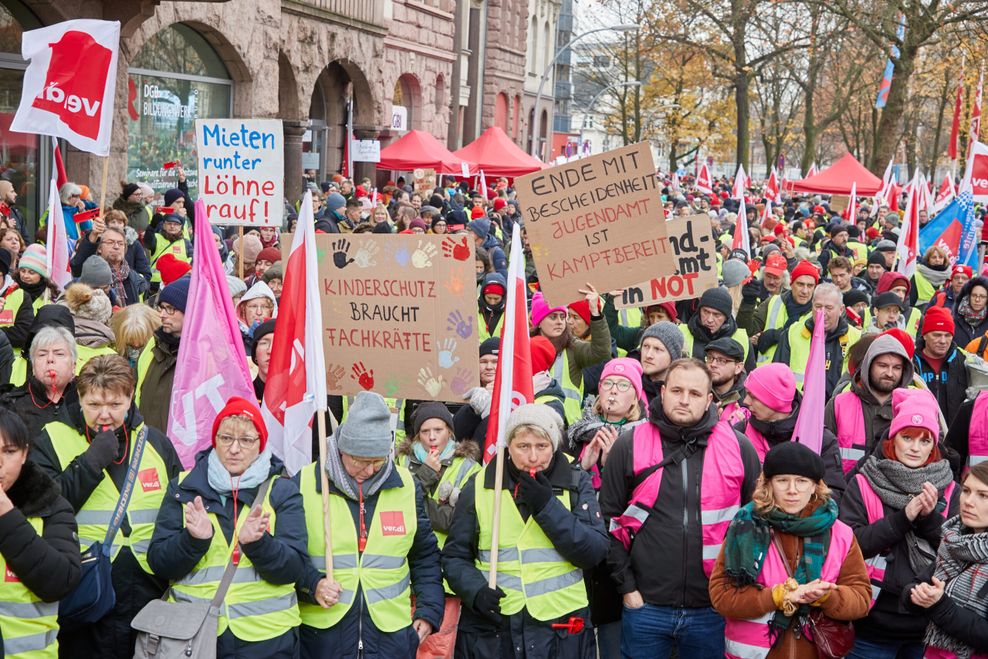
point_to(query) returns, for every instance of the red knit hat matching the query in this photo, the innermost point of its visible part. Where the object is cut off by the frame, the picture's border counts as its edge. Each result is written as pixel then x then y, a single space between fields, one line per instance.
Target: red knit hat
pixel 494 288
pixel 543 354
pixel 171 268
pixel 477 212
pixel 238 406
pixel 805 269
pixel 904 338
pixel 269 254
pixel 582 308
pixel 937 319
pixel 959 269
pixel 500 203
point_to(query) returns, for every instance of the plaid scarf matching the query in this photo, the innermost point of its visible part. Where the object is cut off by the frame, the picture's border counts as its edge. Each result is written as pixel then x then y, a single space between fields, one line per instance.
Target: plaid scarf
pixel 120 275
pixel 962 562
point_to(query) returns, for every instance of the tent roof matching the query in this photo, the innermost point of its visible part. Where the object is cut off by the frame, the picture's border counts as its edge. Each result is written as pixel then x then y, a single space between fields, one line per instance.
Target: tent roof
pixel 837 179
pixel 497 155
pixel 417 148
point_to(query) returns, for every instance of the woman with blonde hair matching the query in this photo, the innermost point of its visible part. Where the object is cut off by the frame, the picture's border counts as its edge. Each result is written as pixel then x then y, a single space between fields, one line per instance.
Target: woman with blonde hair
pixel 133 327
pixel 932 271
pixel 785 558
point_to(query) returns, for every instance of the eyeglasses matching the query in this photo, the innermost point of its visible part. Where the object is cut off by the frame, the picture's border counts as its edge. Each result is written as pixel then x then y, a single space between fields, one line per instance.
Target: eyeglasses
pixel 621 385
pixel 167 309
pixel 720 361
pixel 258 307
pixel 112 243
pixel 362 464
pixel 227 441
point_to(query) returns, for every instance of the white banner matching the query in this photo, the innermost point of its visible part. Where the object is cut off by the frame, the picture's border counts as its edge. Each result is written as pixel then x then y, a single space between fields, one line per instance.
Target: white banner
pixel 69 84
pixel 366 151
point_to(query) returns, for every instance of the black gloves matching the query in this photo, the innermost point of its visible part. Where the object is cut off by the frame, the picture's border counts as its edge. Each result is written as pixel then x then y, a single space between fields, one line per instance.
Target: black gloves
pixel 102 451
pixel 488 604
pixel 751 291
pixel 536 492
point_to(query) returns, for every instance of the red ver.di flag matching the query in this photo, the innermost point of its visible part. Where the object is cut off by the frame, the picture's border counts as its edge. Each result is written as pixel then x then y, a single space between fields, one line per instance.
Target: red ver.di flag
pixel 69 83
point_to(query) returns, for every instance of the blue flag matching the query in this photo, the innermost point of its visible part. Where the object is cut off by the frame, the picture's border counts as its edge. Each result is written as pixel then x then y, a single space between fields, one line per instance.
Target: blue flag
pixel 886 84
pixel 953 229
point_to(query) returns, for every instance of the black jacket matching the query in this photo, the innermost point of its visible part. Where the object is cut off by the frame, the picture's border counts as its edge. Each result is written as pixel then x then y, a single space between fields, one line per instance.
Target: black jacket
pixel 665 537
pixel 963 332
pixel 963 624
pixel 888 621
pixel 949 385
pixel 135 256
pixel 30 402
pixel 47 565
pixel 957 435
pixel 834 355
pixel 701 337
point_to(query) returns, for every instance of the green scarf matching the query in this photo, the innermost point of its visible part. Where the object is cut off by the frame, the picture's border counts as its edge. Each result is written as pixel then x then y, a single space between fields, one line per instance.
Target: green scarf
pixel 749 535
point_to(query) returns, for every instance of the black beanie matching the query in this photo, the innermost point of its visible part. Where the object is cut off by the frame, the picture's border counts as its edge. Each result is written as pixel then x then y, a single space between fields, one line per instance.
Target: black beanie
pixel 717 299
pixel 795 459
pixel 490 347
pixel 261 331
pixel 430 410
pixel 4 262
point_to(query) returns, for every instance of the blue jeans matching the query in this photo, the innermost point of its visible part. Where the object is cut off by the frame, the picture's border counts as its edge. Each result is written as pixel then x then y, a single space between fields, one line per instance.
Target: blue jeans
pixel 865 649
pixel 651 632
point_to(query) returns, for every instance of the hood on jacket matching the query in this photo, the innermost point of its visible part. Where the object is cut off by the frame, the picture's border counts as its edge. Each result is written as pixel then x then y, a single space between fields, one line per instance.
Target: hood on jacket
pixel 493 278
pixel 966 289
pixel 883 345
pixel 257 291
pixel 465 448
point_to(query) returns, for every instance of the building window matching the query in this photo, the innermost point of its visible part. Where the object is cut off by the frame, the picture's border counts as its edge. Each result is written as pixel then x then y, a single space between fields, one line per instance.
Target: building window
pixel 176 78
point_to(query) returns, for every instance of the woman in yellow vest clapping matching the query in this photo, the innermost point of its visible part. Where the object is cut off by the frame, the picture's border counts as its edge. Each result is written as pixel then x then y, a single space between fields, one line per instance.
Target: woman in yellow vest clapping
pixel 233 506
pixel 39 553
pixel 550 531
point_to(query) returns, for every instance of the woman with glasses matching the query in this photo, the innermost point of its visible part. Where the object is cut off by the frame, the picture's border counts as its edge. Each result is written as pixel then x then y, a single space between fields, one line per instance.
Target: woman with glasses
pixel 88 452
pixel 971 311
pixel 619 406
pixel 233 506
pixel 255 307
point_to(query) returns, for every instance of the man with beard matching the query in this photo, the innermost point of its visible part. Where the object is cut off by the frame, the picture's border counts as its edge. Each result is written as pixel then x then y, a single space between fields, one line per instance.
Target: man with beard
pixel 836 246
pixel 772 403
pixel 491 306
pixel 714 320
pixel 861 416
pixel 725 361
pixel 774 315
pixel 794 348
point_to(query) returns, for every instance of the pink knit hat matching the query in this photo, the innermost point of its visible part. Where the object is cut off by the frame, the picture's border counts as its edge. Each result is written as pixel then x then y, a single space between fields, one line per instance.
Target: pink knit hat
pixel 541 309
pixel 773 385
pixel 914 408
pixel 630 369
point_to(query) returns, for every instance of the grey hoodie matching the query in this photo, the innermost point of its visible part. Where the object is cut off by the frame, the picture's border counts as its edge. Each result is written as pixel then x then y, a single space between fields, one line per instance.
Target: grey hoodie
pixel 877 416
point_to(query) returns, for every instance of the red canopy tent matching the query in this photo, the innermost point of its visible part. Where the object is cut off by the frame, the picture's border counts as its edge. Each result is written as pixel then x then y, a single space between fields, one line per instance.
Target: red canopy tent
pixel 837 179
pixel 497 155
pixel 418 148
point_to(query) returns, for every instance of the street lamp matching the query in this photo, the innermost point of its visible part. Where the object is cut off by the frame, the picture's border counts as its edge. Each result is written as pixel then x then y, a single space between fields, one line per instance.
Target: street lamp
pixel 593 101
pixel 624 27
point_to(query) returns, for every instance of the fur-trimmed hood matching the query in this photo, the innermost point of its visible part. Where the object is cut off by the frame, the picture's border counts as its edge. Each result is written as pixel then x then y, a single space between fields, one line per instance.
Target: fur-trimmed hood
pixel 34 492
pixel 465 448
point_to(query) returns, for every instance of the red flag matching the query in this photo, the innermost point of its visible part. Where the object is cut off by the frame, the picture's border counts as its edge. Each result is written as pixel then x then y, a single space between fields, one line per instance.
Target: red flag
pixel 955 125
pixel 909 237
pixel 513 382
pixel 742 238
pixel 976 111
pixel 741 183
pixel 851 212
pixel 57 245
pixel 60 168
pixel 703 183
pixel 773 189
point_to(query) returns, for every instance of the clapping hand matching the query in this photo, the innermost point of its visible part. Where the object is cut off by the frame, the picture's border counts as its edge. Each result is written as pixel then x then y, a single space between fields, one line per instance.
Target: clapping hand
pixel 255 526
pixel 923 503
pixel 808 593
pixel 197 520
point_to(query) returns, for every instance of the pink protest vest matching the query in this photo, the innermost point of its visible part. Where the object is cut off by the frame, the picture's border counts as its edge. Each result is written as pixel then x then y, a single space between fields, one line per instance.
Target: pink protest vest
pixel 720 487
pixel 733 412
pixel 977 436
pixel 748 639
pixel 850 429
pixel 876 511
pixel 757 440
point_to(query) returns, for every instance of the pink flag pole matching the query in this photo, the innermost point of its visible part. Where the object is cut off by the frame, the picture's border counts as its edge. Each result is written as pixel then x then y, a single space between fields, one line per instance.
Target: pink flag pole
pixel 809 423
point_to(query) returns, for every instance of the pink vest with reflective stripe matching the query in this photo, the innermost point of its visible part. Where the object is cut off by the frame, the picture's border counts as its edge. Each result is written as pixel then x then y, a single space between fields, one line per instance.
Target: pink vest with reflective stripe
pixel 977 435
pixel 757 440
pixel 720 487
pixel 748 639
pixel 876 511
pixel 850 429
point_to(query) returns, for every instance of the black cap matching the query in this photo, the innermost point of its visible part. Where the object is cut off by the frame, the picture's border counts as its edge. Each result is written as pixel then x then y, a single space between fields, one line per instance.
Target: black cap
pixel 854 296
pixel 794 459
pixel 491 346
pixel 837 228
pixel 888 299
pixel 727 347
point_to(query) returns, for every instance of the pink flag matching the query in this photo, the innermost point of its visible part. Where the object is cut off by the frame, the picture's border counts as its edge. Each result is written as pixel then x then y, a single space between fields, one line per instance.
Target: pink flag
pixel 809 423
pixel 56 242
pixel 296 386
pixel 212 364
pixel 742 239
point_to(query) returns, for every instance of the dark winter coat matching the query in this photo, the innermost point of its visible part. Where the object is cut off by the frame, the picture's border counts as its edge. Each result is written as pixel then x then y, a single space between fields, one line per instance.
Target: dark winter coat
pixel 6 359
pixel 137 214
pixel 888 622
pixel 440 515
pixel 682 583
pixel 963 332
pixel 30 402
pixel 469 424
pixel 963 624
pixel 135 256
pixel 356 627
pixel 279 558
pixel 949 385
pixel 156 388
pixel 833 355
pixel 957 435
pixel 577 534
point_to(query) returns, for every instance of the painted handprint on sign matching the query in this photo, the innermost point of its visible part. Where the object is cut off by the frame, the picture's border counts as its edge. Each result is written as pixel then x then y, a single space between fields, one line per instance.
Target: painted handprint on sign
pixel 446 349
pixel 461 383
pixel 364 377
pixel 462 326
pixel 341 253
pixel 432 384
pixel 457 250
pixel 422 258
pixel 364 257
pixel 334 376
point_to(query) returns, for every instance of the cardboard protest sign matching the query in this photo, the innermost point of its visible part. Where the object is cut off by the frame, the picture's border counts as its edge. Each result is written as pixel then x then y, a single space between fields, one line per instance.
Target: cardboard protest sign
pixel 424 181
pixel 694 255
pixel 598 220
pixel 242 170
pixel 839 202
pixel 399 315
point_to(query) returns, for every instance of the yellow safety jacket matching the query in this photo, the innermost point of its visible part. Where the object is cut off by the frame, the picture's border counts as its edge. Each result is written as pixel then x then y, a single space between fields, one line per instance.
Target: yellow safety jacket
pixel 12 304
pixel 799 349
pixel 18 369
pixel 740 335
pixel 482 333
pixel 30 626
pixel 572 392
pixel 776 318
pixel 162 247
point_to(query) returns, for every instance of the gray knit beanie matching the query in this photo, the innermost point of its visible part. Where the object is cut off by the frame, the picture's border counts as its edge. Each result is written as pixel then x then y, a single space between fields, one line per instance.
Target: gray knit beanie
pixel 668 333
pixel 96 272
pixel 238 287
pixel 717 299
pixel 366 430
pixel 538 415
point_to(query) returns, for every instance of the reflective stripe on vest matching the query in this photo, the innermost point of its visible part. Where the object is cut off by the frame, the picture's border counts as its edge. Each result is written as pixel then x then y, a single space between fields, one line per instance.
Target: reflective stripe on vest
pixel 94 515
pixel 749 639
pixel 851 438
pixel 721 480
pixel 877 564
pixel 29 626
pixel 533 575
pixel 161 246
pixel 253 609
pixel 381 571
pixel 775 318
pixel 977 438
pixel 572 393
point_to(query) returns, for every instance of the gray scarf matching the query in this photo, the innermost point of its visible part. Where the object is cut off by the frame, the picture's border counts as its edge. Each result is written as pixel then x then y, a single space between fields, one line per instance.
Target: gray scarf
pixel 935 277
pixel 895 484
pixel 962 562
pixel 224 484
pixel 345 482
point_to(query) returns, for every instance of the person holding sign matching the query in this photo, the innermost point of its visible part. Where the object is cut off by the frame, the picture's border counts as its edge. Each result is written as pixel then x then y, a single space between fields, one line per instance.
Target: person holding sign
pixel 551 531
pixel 382 548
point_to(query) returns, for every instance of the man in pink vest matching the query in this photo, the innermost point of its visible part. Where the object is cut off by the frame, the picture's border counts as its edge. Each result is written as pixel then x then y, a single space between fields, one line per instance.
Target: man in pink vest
pixel 670 490
pixel 861 415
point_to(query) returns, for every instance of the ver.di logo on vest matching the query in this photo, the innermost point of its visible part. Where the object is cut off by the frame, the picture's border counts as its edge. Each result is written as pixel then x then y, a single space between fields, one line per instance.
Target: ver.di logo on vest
pixel 149 480
pixel 393 523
